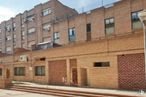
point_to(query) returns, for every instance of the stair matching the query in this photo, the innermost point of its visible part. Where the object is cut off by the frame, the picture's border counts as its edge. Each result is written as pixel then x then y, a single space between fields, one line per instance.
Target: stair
pixel 62 93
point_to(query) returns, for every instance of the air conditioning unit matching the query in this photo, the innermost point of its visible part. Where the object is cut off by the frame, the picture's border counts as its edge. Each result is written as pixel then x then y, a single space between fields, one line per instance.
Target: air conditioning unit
pixel 23 58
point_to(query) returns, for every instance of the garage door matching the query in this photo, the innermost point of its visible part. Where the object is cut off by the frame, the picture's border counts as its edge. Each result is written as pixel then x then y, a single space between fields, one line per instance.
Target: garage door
pixel 57 70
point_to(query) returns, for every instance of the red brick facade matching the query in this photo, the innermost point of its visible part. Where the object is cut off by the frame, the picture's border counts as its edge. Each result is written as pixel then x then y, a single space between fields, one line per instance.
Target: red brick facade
pixel 131 71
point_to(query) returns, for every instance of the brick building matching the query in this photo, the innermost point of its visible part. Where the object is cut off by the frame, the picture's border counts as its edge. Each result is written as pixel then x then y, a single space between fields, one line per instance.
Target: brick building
pixel 32 26
pixel 103 48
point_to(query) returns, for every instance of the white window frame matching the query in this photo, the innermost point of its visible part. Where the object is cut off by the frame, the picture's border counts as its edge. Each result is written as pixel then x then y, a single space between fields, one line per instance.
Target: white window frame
pixel 46 11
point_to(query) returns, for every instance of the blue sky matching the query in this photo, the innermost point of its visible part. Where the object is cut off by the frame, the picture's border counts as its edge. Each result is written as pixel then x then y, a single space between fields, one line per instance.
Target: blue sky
pixel 9 8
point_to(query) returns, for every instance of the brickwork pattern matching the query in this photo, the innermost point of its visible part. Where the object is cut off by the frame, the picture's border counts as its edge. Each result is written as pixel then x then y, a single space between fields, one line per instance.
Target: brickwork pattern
pixel 131 71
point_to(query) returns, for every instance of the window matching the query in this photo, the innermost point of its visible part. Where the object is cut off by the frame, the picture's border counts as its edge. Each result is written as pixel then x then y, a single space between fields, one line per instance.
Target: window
pixel 23 45
pixel 23 35
pixel 14 37
pixel 40 70
pixel 22 26
pixel 8 49
pixel 46 12
pixel 46 27
pixel 72 35
pixel 8 38
pixel 1 72
pixel 30 44
pixel 88 27
pixel 0 30
pixel 8 28
pixel 31 30
pixel 19 71
pixel 102 64
pixel 31 18
pixel 14 26
pixel 109 26
pixel 56 37
pixel 136 23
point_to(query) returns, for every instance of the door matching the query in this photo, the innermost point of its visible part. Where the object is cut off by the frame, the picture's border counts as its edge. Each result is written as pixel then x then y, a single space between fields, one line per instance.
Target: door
pixel 74 76
pixel 84 78
pixel 7 73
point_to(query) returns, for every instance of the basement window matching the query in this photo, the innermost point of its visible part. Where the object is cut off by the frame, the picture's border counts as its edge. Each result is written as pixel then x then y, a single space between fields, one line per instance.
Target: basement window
pixel 0 71
pixel 102 64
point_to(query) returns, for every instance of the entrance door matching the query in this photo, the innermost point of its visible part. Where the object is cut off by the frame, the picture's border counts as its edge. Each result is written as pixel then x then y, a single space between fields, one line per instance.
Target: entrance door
pixel 74 76
pixel 84 78
pixel 7 73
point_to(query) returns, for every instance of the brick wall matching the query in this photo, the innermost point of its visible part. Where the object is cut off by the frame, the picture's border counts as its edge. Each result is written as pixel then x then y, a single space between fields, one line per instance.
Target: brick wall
pixel 131 71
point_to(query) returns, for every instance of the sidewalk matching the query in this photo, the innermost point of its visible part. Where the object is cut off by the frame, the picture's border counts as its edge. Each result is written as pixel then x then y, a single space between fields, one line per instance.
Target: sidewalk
pixel 92 90
pixel 9 93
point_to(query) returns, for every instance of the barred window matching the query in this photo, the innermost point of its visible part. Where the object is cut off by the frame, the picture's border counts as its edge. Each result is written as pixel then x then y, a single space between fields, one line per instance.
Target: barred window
pixel 40 71
pixel 19 71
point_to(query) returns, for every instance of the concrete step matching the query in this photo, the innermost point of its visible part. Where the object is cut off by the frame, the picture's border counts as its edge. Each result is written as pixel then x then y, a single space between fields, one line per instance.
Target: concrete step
pixel 62 93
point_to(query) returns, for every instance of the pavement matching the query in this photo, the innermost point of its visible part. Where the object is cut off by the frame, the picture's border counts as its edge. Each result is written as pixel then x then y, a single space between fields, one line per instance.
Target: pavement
pixel 92 90
pixel 10 93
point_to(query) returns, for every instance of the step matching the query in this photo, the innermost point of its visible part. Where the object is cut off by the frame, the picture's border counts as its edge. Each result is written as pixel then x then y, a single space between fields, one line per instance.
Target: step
pixel 41 92
pixel 64 92
pixel 46 91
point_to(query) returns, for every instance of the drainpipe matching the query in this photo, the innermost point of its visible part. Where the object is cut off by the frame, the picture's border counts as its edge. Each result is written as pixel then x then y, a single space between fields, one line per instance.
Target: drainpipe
pixel 142 16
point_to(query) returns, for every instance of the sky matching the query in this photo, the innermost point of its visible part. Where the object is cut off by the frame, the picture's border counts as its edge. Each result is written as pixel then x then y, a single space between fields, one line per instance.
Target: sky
pixel 10 8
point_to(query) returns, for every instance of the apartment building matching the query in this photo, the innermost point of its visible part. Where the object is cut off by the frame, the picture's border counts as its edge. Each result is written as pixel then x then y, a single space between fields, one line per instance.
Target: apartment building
pixel 32 26
pixel 103 48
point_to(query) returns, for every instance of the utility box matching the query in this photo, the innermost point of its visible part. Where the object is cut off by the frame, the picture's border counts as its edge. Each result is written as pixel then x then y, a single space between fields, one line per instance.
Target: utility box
pixel 5 79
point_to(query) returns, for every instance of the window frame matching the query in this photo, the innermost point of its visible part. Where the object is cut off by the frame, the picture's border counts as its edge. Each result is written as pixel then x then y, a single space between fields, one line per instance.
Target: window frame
pixel 105 25
pixel 46 12
pixel 32 32
pixel 101 64
pixel 135 20
pixel 72 34
pixel 19 71
pixel 88 28
pixel 56 37
pixel 40 71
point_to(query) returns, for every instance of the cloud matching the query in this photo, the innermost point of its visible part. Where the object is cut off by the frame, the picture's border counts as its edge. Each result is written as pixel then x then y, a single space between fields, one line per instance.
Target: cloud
pixel 6 13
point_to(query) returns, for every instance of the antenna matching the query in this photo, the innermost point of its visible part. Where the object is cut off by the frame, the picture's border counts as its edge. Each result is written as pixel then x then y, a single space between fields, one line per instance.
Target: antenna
pixel 82 9
pixel 102 2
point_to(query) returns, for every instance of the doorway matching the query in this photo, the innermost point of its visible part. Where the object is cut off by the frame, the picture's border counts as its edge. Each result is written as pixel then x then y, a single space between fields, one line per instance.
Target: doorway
pixel 84 77
pixel 74 77
pixel 7 73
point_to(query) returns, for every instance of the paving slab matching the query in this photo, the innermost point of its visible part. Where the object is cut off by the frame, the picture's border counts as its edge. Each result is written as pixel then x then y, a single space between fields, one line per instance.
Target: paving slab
pixel 10 93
